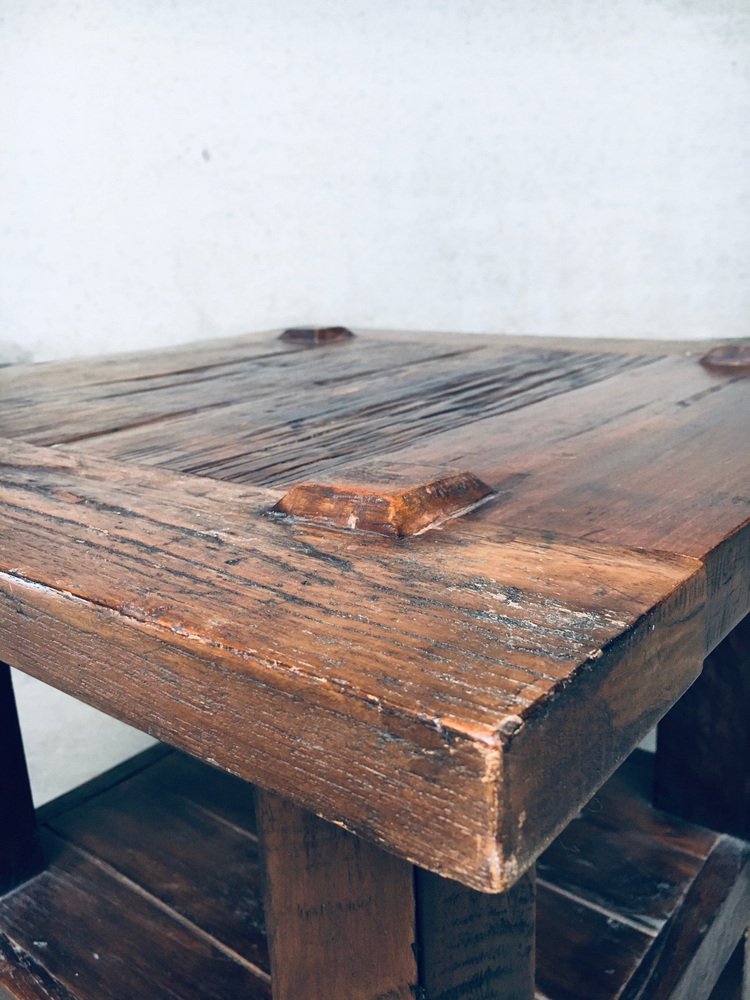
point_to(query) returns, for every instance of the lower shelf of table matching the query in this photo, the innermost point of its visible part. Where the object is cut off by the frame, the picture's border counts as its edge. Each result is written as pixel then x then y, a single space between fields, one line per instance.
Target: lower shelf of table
pixel 153 890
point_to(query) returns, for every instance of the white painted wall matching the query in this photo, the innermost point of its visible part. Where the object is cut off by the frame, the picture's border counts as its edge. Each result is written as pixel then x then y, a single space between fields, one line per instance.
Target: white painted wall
pixel 174 170
pixel 194 168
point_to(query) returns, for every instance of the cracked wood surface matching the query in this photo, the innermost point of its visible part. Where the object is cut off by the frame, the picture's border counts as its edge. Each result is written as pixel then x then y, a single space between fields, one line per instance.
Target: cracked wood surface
pixel 482 679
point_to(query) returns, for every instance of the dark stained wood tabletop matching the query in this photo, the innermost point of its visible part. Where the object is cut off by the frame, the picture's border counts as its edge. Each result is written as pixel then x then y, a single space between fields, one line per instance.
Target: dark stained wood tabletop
pixel 432 588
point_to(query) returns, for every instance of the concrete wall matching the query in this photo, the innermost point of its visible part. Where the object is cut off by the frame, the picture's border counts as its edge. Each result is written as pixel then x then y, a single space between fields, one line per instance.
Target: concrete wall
pixel 174 170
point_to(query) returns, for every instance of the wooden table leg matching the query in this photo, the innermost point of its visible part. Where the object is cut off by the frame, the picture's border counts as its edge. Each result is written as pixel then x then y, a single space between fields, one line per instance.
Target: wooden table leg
pixel 734 983
pixel 703 762
pixel 20 850
pixel 703 743
pixel 347 921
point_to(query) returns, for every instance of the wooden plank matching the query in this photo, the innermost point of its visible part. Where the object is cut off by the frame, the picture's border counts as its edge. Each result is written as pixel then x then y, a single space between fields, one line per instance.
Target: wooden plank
pixel 196 861
pixel 649 910
pixel 266 378
pixel 649 458
pixel 21 978
pixel 20 850
pixel 340 913
pixel 96 934
pixel 475 946
pixel 128 366
pixel 306 426
pixel 583 951
pixel 699 941
pixel 214 614
pixel 623 857
pixel 703 745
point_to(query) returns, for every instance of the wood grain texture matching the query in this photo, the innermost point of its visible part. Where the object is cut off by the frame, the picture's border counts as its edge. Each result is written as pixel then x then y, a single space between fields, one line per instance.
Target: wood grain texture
pixel 264 379
pixel 386 500
pixel 22 978
pixel 703 744
pixel 20 850
pixel 640 451
pixel 97 935
pixel 150 830
pixel 340 913
pixel 474 946
pixel 442 669
pixel 652 457
pixel 665 894
pixel 696 945
pixel 361 401
pixel 651 909
pixel 622 856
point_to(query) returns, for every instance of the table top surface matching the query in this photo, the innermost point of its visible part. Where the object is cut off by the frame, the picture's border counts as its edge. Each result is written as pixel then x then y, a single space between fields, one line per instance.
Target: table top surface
pixel 433 588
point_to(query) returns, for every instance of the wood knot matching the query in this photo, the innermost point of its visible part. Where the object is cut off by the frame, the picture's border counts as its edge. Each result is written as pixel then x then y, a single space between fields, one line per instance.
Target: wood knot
pixel 385 500
pixel 312 335
pixel 728 358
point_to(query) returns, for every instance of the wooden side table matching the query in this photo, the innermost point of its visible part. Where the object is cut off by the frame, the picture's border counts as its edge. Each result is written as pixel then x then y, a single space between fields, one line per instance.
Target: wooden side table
pixel 427 594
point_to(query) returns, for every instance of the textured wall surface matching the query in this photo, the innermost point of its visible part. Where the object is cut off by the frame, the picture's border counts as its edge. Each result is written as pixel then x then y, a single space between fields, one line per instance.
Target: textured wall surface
pixel 174 170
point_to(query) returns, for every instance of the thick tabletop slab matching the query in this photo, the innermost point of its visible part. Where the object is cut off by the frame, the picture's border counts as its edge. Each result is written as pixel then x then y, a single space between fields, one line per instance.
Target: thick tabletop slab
pixel 456 694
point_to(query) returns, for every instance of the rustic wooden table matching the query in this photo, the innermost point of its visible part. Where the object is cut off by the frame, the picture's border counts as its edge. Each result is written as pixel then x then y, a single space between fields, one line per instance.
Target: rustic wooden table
pixel 428 594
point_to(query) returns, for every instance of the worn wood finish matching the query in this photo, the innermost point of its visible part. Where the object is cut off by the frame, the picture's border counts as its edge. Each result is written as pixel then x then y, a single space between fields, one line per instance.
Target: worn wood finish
pixel 699 941
pixel 312 335
pixel 386 499
pixel 107 919
pixel 703 747
pixel 320 413
pixel 648 909
pixel 340 913
pixel 22 978
pixel 600 443
pixel 474 946
pixel 624 857
pixel 624 934
pixel 732 358
pixel 207 627
pixel 98 935
pixel 153 832
pixel 20 850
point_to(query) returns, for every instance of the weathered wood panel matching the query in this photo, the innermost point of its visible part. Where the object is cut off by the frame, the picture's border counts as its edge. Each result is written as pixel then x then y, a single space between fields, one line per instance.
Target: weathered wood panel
pixel 648 910
pixel 427 664
pixel 266 379
pixel 187 855
pixel 698 942
pixel 99 935
pixel 299 427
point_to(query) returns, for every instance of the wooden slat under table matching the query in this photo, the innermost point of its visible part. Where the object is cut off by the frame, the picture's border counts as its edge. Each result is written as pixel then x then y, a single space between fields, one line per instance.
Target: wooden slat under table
pixel 153 890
